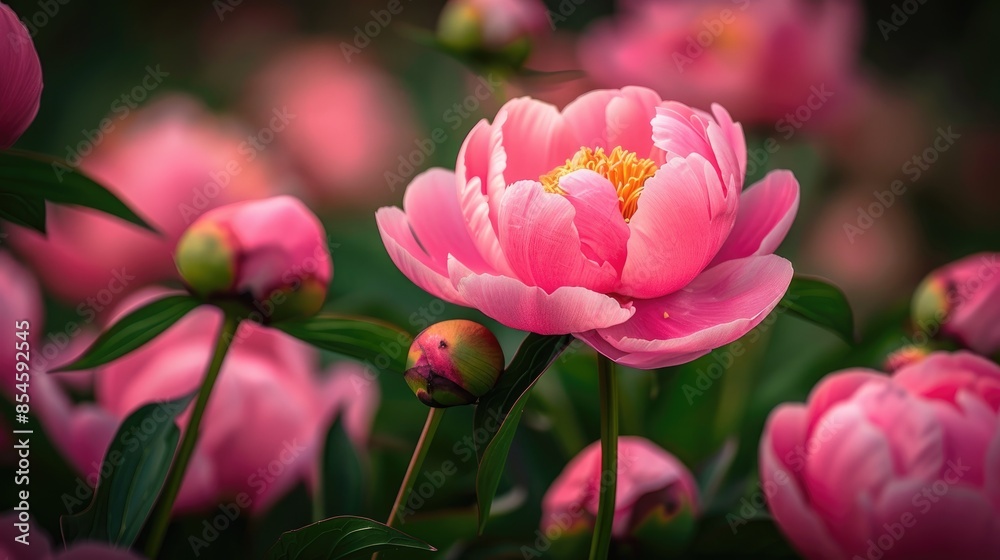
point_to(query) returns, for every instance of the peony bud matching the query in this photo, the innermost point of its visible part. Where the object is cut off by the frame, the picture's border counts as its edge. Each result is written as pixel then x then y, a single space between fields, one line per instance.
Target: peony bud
pixel 21 91
pixel 269 253
pixel 961 300
pixel 656 503
pixel 453 363
pixel 499 27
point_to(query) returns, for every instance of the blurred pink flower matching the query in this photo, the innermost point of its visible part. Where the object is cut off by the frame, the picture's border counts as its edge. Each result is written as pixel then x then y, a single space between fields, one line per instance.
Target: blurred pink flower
pixel 639 243
pixel 21 88
pixel 906 466
pixel 347 122
pixel 870 250
pixel 265 422
pixel 644 471
pixel 761 60
pixel 273 251
pixel 963 300
pixel 492 24
pixel 170 162
pixel 40 545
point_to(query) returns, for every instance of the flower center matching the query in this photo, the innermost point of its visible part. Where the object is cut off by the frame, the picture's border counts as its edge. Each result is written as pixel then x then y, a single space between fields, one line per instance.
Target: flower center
pixel 625 170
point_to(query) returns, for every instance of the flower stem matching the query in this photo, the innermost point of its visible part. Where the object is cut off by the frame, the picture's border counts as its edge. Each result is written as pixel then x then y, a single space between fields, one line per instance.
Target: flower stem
pixel 172 487
pixel 601 542
pixel 423 445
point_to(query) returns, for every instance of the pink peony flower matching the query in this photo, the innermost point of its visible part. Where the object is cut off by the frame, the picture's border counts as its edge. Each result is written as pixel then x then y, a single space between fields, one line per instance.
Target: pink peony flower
pixel 271 251
pixel 344 123
pixel 620 220
pixel 265 422
pixel 962 300
pixel 170 162
pixel 761 60
pixel 21 88
pixel 906 466
pixel 648 477
pixel 40 545
pixel 493 25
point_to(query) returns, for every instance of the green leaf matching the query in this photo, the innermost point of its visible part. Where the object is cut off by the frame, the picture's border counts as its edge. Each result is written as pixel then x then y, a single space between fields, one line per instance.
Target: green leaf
pixel 38 175
pixel 27 211
pixel 342 538
pixel 136 468
pixel 821 303
pixel 499 411
pixel 134 330
pixel 380 344
pixel 343 480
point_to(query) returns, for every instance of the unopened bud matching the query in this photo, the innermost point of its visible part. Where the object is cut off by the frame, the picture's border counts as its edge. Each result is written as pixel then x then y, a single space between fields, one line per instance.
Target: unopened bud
pixel 453 363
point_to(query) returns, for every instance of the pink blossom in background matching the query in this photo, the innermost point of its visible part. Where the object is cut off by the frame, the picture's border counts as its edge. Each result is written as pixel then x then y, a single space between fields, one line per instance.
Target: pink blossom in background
pixel 496 24
pixel 348 122
pixel 654 259
pixel 21 86
pixel 40 546
pixel 644 469
pixel 896 467
pixel 963 300
pixel 273 251
pixel 875 261
pixel 170 162
pixel 760 60
pixel 265 422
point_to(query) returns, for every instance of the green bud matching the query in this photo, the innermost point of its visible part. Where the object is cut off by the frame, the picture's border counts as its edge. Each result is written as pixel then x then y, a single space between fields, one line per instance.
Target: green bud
pixel 453 363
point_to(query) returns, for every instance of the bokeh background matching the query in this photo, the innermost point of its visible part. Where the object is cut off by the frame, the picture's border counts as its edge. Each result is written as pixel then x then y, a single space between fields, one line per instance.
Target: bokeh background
pixel 186 88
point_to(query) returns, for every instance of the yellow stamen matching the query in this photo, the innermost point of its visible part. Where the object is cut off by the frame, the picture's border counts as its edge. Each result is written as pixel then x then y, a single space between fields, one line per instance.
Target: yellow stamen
pixel 625 170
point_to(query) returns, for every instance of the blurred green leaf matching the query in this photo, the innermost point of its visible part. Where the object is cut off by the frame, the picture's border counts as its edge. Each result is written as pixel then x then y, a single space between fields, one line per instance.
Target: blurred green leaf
pixel 383 345
pixel 27 211
pixel 38 175
pixel 343 481
pixel 134 330
pixel 138 467
pixel 821 303
pixel 342 538
pixel 500 410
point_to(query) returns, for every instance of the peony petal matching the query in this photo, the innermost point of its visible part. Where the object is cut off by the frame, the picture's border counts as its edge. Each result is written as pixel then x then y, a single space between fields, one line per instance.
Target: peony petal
pixel 542 243
pixel 410 258
pixel 765 216
pixel 733 133
pixel 480 184
pixel 960 523
pixel 629 121
pixel 433 212
pixel 603 231
pixel 849 464
pixel 834 389
pixel 535 138
pixel 783 440
pixel 683 217
pixel 718 307
pixel 566 310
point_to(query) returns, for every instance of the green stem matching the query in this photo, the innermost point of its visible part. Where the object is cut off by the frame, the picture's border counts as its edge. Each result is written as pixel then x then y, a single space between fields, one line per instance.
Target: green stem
pixel 434 417
pixel 601 542
pixel 172 486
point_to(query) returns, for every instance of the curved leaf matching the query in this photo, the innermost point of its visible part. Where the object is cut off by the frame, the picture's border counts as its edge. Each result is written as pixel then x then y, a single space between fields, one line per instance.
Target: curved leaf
pixel 342 538
pixel 137 468
pixel 39 175
pixel 380 344
pixel 499 411
pixel 27 211
pixel 134 330
pixel 822 303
